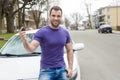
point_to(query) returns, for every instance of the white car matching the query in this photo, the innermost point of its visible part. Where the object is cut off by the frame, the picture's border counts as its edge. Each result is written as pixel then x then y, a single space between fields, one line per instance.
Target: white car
pixel 105 29
pixel 17 64
pixel 82 28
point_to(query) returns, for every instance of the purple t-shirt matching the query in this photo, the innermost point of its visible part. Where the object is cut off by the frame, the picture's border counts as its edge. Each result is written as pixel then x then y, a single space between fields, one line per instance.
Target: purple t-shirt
pixel 52 42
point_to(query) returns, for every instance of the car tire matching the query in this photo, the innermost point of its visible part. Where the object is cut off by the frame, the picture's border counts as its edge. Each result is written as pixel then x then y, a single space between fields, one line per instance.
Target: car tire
pixel 102 31
pixel 110 31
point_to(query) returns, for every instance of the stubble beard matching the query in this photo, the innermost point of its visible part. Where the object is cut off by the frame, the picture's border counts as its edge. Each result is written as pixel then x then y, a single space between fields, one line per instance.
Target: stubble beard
pixel 55 24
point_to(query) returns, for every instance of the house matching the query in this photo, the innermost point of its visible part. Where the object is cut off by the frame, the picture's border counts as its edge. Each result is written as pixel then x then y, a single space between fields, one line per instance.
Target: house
pixel 110 15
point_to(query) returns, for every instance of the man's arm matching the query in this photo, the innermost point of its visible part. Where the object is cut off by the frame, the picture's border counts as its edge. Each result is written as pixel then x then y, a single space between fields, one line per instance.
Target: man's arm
pixel 70 59
pixel 28 46
pixel 31 46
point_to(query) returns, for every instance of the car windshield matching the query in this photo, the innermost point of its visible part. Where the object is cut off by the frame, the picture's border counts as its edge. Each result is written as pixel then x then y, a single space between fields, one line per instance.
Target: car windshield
pixel 106 25
pixel 14 46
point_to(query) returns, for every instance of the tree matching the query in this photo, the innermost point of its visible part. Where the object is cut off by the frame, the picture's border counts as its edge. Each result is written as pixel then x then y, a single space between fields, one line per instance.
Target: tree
pixel 11 7
pixel 1 14
pixel 37 10
pixel 67 22
pixel 89 16
pixel 76 19
pixel 10 11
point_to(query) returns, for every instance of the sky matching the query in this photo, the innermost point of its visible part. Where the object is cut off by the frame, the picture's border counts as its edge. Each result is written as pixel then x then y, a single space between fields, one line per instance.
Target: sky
pixel 72 6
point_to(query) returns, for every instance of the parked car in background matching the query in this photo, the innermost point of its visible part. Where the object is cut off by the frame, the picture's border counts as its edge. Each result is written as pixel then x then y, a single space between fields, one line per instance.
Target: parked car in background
pixel 105 29
pixel 18 64
pixel 82 28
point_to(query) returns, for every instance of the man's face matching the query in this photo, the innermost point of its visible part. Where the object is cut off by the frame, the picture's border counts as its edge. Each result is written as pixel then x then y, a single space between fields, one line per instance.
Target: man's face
pixel 55 18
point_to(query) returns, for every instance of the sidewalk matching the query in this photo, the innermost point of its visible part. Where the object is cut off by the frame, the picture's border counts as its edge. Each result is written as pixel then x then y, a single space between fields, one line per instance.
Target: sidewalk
pixel 116 32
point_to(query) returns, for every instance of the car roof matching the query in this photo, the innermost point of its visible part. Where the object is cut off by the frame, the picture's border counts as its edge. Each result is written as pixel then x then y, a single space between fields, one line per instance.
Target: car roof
pixel 105 25
pixel 29 31
pixel 35 30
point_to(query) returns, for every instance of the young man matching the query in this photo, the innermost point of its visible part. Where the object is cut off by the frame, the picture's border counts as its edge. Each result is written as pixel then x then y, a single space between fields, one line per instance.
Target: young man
pixel 52 39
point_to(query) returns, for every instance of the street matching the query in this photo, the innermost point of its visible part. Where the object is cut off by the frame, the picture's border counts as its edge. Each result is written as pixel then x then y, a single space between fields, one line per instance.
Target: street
pixel 100 59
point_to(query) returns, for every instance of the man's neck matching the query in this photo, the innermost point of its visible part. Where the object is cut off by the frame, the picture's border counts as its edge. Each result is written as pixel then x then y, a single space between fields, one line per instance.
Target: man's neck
pixel 53 27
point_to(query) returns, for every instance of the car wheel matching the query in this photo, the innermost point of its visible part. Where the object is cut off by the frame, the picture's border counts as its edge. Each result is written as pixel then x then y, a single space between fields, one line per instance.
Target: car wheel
pixel 110 31
pixel 102 31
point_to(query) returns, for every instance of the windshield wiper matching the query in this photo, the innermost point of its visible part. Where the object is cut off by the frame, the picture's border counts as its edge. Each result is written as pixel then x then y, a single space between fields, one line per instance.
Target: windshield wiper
pixel 36 53
pixel 21 55
pixel 8 55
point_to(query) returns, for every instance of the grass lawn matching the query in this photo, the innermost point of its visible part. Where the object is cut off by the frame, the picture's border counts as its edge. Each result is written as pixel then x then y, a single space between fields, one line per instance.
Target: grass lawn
pixel 6 36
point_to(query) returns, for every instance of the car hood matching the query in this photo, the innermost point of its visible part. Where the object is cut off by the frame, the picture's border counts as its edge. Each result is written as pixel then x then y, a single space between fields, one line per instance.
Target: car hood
pixel 22 68
pixel 19 68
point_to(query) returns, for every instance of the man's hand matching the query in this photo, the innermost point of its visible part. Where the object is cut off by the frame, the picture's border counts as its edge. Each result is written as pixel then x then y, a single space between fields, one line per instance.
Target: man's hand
pixel 69 73
pixel 22 34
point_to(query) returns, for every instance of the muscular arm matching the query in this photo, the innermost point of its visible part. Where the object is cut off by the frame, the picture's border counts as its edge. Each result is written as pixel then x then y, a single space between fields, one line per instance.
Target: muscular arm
pixel 70 58
pixel 31 46
pixel 28 46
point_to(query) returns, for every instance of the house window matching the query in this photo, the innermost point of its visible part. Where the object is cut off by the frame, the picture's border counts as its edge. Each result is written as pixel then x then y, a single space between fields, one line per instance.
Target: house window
pixel 108 17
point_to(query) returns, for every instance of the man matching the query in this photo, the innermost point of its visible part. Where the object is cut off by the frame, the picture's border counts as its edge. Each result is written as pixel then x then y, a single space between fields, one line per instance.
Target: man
pixel 52 39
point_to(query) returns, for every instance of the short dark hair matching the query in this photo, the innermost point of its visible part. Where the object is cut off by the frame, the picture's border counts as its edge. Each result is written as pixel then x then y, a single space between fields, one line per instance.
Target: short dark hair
pixel 55 8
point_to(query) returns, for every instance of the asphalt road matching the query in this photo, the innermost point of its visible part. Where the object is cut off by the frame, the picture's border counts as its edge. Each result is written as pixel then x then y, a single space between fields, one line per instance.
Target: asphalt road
pixel 100 59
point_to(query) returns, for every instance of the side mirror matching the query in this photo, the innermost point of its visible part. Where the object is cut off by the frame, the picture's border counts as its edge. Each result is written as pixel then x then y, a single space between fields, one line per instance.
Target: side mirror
pixel 78 46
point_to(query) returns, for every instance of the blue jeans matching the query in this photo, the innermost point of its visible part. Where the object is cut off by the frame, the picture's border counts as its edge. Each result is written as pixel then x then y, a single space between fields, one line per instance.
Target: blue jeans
pixel 53 74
